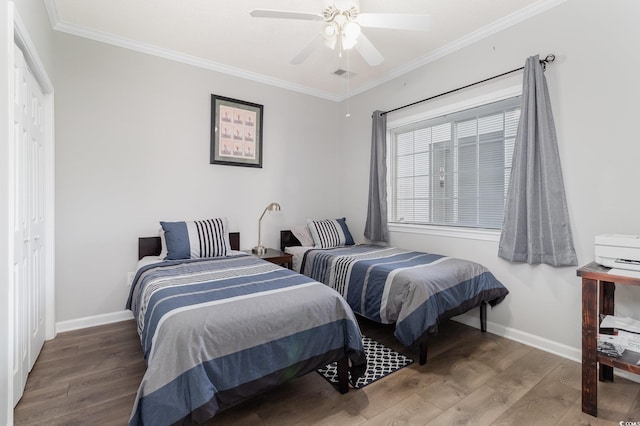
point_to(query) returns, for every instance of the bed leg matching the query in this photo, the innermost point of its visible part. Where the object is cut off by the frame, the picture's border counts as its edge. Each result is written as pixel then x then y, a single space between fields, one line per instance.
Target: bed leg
pixel 343 374
pixel 423 352
pixel 483 317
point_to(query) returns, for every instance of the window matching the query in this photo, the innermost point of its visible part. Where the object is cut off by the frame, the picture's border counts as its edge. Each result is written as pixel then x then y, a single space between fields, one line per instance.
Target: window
pixel 453 169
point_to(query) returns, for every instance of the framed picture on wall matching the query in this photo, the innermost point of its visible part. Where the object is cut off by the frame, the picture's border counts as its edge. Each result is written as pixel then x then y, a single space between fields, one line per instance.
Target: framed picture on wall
pixel 236 132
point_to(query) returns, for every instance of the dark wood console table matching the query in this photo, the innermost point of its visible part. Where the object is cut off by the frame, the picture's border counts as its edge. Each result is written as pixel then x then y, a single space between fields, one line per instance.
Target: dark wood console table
pixel 598 288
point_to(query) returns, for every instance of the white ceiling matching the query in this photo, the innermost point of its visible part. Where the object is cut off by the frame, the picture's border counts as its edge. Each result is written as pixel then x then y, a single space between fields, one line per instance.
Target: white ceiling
pixel 220 35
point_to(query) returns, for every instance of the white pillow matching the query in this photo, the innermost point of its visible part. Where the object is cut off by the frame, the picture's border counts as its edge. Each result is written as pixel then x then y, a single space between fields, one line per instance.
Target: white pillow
pixel 163 244
pixel 301 232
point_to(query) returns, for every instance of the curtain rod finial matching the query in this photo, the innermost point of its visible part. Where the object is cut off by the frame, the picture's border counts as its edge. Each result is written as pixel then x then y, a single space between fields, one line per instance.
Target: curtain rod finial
pixel 550 58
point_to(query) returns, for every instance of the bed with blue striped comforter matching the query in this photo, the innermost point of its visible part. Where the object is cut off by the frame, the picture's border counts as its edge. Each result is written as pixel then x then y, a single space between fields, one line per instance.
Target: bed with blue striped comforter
pixel 216 331
pixel 414 290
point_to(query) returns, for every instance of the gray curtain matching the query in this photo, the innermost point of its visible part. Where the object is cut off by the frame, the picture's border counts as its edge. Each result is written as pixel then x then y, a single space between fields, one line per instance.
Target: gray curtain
pixel 376 227
pixel 536 225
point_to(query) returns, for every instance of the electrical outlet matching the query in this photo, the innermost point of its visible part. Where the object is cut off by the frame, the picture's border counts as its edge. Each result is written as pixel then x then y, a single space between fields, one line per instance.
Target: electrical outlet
pixel 130 277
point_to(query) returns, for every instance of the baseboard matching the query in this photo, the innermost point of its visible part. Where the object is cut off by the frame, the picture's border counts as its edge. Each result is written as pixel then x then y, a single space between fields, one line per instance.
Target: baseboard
pixel 528 339
pixel 537 342
pixel 93 321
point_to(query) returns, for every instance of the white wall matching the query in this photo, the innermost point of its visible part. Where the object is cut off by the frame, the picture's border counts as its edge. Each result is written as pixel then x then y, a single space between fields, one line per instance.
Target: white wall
pixel 593 86
pixel 132 148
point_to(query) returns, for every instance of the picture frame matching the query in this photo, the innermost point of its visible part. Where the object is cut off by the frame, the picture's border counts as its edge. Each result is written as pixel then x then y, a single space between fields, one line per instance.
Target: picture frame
pixel 236 132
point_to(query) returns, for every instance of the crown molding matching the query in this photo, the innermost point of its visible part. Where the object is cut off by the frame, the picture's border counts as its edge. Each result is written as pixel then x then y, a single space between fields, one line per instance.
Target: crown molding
pixel 115 40
pixel 493 28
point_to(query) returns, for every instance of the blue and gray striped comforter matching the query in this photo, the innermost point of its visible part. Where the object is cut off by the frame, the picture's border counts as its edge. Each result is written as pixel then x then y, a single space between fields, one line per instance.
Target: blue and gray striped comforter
pixel 414 290
pixel 217 331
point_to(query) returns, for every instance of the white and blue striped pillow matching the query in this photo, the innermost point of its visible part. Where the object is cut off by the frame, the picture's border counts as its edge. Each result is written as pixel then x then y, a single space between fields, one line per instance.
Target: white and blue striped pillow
pixel 330 233
pixel 196 239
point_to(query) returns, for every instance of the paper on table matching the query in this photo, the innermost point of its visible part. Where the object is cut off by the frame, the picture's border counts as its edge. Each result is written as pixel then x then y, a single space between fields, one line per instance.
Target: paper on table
pixel 621 323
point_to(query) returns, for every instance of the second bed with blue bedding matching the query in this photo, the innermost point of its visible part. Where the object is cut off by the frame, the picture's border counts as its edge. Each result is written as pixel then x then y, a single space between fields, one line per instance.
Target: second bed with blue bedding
pixel 414 290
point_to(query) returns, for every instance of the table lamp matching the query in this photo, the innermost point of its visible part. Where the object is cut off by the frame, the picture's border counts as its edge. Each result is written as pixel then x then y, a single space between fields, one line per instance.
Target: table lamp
pixel 260 249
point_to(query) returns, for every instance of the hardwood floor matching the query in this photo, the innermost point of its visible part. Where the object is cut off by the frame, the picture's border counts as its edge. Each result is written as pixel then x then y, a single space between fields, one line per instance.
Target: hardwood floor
pixel 90 377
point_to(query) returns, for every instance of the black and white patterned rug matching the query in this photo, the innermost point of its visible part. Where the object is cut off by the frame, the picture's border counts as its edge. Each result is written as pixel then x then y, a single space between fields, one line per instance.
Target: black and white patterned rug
pixel 381 361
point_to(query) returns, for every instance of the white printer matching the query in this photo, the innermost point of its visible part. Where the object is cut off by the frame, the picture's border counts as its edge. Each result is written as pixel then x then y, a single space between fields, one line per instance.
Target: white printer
pixel 618 251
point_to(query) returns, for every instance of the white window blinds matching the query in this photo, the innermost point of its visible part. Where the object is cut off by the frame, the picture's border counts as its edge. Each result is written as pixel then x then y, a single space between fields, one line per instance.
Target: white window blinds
pixel 454 170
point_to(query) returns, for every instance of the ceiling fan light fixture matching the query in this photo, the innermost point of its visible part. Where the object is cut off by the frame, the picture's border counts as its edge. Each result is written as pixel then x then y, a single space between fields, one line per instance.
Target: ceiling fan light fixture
pixel 330 34
pixel 350 33
pixel 330 30
pixel 340 19
pixel 343 23
pixel 331 42
pixel 348 43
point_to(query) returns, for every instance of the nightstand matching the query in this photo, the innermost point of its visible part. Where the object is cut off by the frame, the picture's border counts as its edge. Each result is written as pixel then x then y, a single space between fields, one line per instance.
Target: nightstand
pixel 275 256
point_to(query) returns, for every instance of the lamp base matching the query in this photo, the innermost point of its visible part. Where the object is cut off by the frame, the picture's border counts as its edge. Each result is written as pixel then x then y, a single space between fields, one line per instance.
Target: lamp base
pixel 259 250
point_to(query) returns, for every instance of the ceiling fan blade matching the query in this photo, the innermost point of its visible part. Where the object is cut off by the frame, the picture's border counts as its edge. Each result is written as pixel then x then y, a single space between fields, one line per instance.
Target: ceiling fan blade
pixel 396 21
pixel 368 51
pixel 306 51
pixel 283 14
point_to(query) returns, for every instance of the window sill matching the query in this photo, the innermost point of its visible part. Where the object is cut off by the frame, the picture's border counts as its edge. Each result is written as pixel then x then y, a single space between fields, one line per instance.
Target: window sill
pixel 447 231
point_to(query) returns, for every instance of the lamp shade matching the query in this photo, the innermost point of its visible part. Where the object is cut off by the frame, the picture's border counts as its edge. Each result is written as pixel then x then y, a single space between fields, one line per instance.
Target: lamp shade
pixel 273 207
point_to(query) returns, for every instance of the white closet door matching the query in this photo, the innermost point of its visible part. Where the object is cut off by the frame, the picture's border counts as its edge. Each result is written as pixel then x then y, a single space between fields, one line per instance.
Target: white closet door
pixel 29 258
pixel 21 265
pixel 36 218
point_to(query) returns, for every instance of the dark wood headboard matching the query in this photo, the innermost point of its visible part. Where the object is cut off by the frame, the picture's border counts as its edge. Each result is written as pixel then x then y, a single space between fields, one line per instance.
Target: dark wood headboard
pixel 287 239
pixel 151 246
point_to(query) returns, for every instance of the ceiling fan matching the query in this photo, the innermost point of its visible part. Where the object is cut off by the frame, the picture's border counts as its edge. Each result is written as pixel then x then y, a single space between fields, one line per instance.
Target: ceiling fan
pixel 342 24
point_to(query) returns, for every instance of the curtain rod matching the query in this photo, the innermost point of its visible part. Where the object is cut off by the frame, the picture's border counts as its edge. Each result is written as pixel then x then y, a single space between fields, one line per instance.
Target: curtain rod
pixel 547 60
